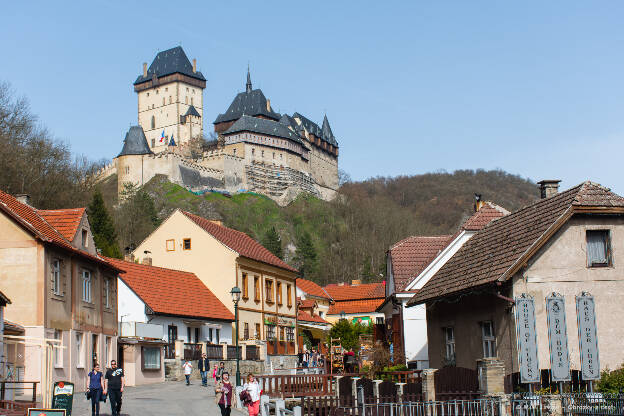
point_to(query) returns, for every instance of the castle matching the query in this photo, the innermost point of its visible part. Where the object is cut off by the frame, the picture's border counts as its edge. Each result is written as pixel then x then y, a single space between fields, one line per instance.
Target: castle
pixel 254 149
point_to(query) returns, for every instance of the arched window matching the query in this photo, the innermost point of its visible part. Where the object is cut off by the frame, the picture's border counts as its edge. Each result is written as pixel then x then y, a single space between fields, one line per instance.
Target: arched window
pixel 153 122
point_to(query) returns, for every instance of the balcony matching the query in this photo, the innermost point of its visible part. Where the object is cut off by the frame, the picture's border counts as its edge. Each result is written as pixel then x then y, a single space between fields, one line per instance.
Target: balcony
pixel 140 330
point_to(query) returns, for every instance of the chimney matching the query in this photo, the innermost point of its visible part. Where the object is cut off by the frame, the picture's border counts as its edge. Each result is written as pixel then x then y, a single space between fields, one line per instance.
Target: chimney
pixel 478 202
pixel 194 65
pixel 548 187
pixel 147 260
pixel 268 105
pixel 129 257
pixel 356 282
pixel 218 222
pixel 23 198
pixel 144 69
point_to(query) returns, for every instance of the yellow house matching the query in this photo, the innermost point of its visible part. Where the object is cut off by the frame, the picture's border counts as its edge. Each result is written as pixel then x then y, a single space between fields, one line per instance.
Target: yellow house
pixel 223 258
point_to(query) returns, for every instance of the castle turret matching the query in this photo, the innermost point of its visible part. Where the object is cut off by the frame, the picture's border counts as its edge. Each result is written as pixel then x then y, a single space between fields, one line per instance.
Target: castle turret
pixel 130 161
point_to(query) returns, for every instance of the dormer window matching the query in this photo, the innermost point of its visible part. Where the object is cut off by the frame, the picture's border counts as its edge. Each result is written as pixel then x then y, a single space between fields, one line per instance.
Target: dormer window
pixel 85 238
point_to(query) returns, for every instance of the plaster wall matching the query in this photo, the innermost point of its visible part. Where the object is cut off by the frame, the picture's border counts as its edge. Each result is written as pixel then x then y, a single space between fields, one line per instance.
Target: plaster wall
pixel 132 366
pixel 415 333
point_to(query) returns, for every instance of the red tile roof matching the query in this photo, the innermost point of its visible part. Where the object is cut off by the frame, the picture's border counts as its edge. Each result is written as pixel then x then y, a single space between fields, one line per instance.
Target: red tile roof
pixel 172 292
pixel 496 252
pixel 30 219
pixel 239 242
pixel 487 213
pixel 306 317
pixel 307 303
pixel 11 328
pixel 66 221
pixel 311 288
pixel 353 292
pixel 355 306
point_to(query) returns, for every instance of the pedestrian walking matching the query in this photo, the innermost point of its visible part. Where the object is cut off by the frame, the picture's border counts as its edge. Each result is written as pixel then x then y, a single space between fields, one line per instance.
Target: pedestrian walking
pixel 220 370
pixel 224 393
pixel 114 382
pixel 214 374
pixel 204 366
pixel 94 387
pixel 188 370
pixel 253 389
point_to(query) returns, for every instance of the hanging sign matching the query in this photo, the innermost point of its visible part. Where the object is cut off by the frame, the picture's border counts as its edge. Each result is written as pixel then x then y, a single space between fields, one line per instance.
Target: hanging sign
pixel 527 339
pixel 588 337
pixel 63 396
pixel 558 338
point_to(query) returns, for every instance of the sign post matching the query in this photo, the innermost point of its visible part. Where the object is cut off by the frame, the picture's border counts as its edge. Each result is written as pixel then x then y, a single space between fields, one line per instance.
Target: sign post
pixel 588 338
pixel 558 339
pixel 63 396
pixel 527 340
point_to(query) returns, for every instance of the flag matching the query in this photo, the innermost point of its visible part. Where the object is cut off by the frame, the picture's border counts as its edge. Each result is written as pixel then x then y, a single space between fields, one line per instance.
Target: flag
pixel 162 136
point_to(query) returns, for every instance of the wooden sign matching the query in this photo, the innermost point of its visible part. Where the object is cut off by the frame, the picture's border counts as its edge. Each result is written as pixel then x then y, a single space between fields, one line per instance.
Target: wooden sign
pixel 63 396
pixel 558 338
pixel 527 339
pixel 46 412
pixel 588 337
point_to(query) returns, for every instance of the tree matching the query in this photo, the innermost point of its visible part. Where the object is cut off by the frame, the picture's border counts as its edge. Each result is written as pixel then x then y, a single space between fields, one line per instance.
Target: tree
pixel 136 216
pixel 273 242
pixel 349 333
pixel 306 256
pixel 103 227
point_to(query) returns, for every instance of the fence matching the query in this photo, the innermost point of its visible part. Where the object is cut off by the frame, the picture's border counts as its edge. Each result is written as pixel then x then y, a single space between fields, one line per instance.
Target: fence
pixel 214 351
pixel 592 404
pixel 18 386
pixel 231 352
pixel 296 385
pixel 400 376
pixel 252 352
pixel 192 351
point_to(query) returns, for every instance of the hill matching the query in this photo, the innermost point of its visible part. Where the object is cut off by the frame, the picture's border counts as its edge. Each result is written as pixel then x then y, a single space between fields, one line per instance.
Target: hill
pixel 351 234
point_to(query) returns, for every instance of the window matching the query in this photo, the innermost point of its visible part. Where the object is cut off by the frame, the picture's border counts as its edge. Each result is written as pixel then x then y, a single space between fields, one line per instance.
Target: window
pixel 253 151
pixel 166 89
pixel 270 332
pixel 186 244
pixel 263 153
pixel 196 335
pixel 58 351
pixel 246 330
pixel 598 248
pixel 80 349
pixel 290 334
pixel 210 335
pixel 245 289
pixel 268 285
pixel 107 293
pixel 188 334
pixel 218 333
pixel 170 100
pixel 379 320
pixel 191 100
pixel 489 339
pixel 449 342
pixel 163 100
pixel 185 100
pixel 234 152
pixel 56 277
pixel 86 285
pixel 321 314
pixel 273 155
pixel 150 358
pixel 257 288
pixel 257 334
pixel 153 142
pixel 153 122
pixel 107 351
pixel 170 245
pixel 278 287
pixel 85 238
pixel 288 296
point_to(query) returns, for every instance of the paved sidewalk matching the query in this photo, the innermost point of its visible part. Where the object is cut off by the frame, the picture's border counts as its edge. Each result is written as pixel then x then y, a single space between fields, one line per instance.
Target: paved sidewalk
pixel 171 398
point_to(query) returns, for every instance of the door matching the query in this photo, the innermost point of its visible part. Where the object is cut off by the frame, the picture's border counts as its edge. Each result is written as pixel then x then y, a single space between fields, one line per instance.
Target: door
pixel 94 348
pixel 172 336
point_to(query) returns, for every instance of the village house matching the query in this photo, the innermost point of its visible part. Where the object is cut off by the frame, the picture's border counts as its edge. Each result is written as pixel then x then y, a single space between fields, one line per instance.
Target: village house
pixel 223 258
pixel 59 287
pixel 355 301
pixel 410 264
pixel 566 243
pixel 313 295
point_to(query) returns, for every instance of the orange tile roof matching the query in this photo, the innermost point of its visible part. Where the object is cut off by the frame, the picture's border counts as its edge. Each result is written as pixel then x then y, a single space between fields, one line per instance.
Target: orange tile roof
pixel 306 317
pixel 239 242
pixel 311 288
pixel 172 292
pixel 307 303
pixel 30 219
pixel 487 213
pixel 66 221
pixel 355 306
pixel 353 292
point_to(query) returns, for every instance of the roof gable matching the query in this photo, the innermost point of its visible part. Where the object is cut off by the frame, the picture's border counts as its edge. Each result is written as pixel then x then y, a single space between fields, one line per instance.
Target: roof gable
pixel 248 103
pixel 135 142
pixel 65 221
pixel 311 288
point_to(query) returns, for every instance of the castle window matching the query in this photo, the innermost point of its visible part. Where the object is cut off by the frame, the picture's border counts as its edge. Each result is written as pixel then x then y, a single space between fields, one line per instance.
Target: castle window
pixel 166 89
pixel 191 100
pixel 127 170
pixel 169 99
pixel 186 89
pixel 153 142
pixel 185 100
pixel 234 152
pixel 263 153
pixel 253 150
pixel 153 122
pixel 156 91
pixel 163 100
pixel 148 94
pixel 273 155
pixel 281 156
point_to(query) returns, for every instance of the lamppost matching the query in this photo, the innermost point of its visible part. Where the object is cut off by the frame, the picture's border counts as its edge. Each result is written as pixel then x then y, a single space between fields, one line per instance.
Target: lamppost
pixel 343 315
pixel 236 294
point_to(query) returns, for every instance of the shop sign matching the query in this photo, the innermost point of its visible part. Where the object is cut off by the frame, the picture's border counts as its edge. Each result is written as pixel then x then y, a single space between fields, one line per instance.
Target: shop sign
pixel 588 337
pixel 63 396
pixel 527 339
pixel 558 338
pixel 362 320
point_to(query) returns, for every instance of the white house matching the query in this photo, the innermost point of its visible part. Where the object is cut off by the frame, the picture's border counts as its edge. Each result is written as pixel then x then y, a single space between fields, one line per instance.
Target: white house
pixel 410 264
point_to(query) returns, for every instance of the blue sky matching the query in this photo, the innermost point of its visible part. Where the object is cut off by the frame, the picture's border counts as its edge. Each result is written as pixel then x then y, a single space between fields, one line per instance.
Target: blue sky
pixel 533 88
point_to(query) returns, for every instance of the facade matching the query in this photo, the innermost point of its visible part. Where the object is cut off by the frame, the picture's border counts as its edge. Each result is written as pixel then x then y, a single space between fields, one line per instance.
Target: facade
pixel 358 302
pixel 60 288
pixel 158 304
pixel 257 149
pixel 223 258
pixel 410 264
pixel 567 243
pixel 311 293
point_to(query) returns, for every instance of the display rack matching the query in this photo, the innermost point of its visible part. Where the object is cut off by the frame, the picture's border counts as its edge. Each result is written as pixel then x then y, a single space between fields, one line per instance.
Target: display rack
pixel 335 356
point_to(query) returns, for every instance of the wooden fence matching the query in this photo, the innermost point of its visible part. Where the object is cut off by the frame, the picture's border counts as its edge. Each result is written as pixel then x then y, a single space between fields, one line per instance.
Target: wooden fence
pixel 296 385
pixel 192 351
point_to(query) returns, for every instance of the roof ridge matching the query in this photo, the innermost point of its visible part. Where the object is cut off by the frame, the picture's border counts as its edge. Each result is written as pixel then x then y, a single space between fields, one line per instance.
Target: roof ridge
pixel 404 240
pixel 147 265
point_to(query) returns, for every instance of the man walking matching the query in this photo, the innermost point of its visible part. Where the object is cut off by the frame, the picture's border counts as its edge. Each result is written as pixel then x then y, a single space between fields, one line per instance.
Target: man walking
pixel 114 383
pixel 204 366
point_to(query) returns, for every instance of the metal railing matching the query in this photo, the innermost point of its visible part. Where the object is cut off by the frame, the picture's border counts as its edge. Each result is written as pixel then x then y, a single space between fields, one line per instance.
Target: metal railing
pixel 479 407
pixel 19 386
pixel 592 404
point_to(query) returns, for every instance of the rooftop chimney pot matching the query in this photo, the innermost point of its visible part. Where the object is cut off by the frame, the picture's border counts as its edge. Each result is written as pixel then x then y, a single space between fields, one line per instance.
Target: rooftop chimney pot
pixel 144 69
pixel 194 65
pixel 268 105
pixel 356 282
pixel 218 222
pixel 147 261
pixel 548 187
pixel 23 198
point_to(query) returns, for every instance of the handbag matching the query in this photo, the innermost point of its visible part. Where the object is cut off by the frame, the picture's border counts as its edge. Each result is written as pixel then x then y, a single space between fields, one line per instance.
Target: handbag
pixel 88 394
pixel 103 397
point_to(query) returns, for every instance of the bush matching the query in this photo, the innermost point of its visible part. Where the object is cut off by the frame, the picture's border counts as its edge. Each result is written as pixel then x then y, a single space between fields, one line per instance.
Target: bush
pixel 611 381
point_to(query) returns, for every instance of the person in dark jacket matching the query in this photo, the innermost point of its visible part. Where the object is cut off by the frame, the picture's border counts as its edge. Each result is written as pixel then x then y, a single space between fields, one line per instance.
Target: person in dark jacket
pixel 204 367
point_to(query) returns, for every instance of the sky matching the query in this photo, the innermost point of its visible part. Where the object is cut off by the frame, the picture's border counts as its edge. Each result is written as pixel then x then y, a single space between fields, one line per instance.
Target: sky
pixel 533 88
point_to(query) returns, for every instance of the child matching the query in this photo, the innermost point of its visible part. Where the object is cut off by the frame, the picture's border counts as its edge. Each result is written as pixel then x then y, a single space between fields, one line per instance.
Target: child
pixel 214 374
pixel 188 370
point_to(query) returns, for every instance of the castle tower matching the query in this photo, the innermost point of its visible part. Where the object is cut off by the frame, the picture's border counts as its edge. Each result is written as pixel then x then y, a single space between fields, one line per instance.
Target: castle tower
pixel 130 162
pixel 170 99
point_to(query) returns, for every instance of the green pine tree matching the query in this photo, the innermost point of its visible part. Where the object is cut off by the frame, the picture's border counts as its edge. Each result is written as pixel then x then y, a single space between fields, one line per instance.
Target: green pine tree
pixel 306 255
pixel 273 242
pixel 102 227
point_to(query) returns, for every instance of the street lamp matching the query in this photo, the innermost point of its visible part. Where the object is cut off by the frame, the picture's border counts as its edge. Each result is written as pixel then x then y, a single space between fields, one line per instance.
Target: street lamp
pixel 236 294
pixel 343 315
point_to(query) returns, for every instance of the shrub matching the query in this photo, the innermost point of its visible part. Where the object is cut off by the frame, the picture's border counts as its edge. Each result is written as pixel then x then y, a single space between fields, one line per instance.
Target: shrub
pixel 611 381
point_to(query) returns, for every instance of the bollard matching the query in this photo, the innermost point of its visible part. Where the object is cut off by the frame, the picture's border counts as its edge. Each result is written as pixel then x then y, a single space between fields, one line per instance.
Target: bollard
pixel 264 405
pixel 297 411
pixel 280 406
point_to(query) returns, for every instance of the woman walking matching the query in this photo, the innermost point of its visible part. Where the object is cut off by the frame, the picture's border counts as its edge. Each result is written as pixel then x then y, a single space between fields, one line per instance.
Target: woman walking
pixel 224 392
pixel 253 389
pixel 94 380
pixel 220 370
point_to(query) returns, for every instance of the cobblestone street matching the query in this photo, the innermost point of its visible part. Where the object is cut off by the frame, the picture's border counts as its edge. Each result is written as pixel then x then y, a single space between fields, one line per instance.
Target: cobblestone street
pixel 163 399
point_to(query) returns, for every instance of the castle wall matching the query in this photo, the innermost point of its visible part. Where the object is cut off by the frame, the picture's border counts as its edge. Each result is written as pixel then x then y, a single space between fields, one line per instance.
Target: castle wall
pixel 324 168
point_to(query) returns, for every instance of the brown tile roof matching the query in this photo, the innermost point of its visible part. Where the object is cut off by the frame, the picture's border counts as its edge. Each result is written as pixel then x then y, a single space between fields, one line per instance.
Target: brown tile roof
pixel 355 306
pixel 306 303
pixel 30 219
pixel 311 288
pixel 66 221
pixel 11 328
pixel 488 212
pixel 306 317
pixel 501 247
pixel 353 292
pixel 239 242
pixel 172 292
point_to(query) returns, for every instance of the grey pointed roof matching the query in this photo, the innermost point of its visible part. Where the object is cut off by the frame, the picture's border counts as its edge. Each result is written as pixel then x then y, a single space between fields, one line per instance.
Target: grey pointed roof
pixel 324 133
pixel 263 126
pixel 192 111
pixel 135 143
pixel 252 103
pixel 169 62
pixel 328 136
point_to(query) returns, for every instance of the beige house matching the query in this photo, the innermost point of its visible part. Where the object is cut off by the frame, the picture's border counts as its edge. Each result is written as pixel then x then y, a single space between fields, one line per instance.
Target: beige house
pixel 223 258
pixel 567 243
pixel 59 289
